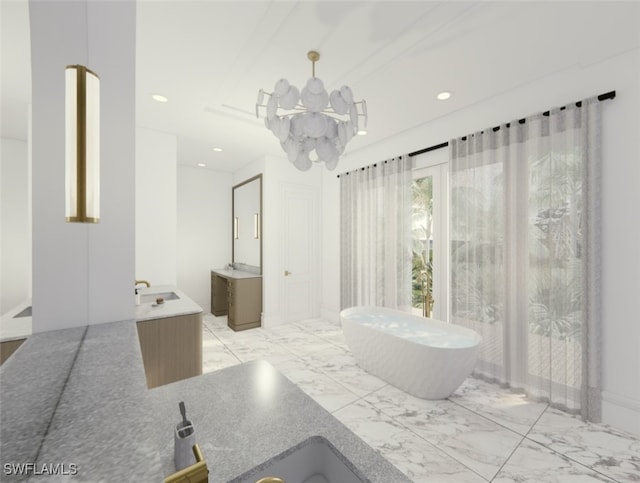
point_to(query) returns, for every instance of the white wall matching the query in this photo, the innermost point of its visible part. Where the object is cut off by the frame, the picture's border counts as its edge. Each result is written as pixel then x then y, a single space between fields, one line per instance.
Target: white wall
pixel 15 221
pixel 156 210
pixel 621 198
pixel 204 229
pixel 82 273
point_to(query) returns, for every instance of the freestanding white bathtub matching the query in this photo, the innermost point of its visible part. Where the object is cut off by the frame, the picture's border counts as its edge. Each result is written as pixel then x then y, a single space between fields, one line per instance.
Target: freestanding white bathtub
pixel 424 357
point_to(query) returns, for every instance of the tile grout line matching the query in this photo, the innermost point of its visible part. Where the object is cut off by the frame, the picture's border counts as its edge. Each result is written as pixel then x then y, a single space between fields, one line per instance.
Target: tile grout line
pixel 522 437
pixel 223 344
pixel 560 454
pixel 564 456
pixel 420 436
pixel 484 416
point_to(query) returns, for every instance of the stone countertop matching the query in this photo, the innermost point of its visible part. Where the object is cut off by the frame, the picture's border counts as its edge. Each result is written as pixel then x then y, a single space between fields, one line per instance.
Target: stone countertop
pixel 170 308
pixel 103 419
pixel 31 382
pixel 236 274
pixel 12 328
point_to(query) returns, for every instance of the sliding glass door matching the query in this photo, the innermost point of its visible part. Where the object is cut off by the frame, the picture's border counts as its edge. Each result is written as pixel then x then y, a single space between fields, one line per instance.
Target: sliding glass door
pixel 429 242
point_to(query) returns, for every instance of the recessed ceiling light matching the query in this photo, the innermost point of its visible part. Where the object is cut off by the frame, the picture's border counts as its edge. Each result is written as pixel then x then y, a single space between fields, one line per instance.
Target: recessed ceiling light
pixel 217 150
pixel 202 165
pixel 444 95
pixel 159 98
pixel 362 132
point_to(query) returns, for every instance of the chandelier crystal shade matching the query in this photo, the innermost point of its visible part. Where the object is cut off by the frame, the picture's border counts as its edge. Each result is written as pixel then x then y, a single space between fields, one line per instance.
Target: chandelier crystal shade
pixel 312 125
pixel 82 145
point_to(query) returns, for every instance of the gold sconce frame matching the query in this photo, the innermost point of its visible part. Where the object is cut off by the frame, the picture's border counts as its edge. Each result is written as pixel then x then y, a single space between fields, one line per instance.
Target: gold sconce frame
pixel 82 145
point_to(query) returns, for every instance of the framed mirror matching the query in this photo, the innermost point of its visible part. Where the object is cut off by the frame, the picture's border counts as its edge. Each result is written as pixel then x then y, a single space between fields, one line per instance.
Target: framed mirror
pixel 246 231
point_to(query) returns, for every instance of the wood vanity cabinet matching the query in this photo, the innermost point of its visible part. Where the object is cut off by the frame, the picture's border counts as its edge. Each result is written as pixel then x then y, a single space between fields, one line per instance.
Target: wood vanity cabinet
pixel 245 303
pixel 171 348
pixel 240 298
pixel 219 295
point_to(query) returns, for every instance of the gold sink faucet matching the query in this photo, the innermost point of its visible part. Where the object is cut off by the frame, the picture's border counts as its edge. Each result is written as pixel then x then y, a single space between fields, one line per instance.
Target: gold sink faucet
pixel 138 282
pixel 196 473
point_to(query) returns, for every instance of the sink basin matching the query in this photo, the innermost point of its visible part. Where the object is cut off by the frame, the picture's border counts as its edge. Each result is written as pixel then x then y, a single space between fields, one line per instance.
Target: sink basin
pixel 151 297
pixel 315 460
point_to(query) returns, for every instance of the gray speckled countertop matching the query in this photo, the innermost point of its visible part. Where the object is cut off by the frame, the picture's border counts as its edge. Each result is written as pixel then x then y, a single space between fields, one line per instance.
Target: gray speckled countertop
pixel 103 419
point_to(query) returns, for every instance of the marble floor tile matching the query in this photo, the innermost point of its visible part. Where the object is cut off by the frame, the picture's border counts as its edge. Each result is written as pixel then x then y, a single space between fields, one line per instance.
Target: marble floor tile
pixel 324 390
pixel 341 366
pixel 479 444
pixel 468 438
pixel 336 339
pixel 215 355
pixel 215 323
pixel 319 327
pixel 533 463
pixel 243 337
pixel 604 449
pixel 302 343
pixel 329 331
pixel 514 411
pixel 219 360
pixel 423 462
pixel 251 350
pixel 284 332
pixel 369 423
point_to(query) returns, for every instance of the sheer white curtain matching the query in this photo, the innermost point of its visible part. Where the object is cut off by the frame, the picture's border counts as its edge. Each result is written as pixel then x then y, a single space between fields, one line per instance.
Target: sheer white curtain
pixel 525 247
pixel 375 235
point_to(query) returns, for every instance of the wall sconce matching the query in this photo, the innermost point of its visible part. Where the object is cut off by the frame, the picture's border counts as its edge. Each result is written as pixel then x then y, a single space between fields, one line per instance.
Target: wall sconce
pixel 256 225
pixel 235 227
pixel 82 124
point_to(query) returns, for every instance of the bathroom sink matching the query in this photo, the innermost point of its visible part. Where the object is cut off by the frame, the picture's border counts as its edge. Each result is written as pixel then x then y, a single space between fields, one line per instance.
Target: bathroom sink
pixel 151 297
pixel 315 460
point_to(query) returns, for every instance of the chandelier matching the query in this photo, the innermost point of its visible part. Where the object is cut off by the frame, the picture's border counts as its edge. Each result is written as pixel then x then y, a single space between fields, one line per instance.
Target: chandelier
pixel 312 125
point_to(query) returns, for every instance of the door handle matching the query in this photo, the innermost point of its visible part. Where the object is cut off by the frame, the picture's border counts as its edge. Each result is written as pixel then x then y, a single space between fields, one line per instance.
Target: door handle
pixel 287 273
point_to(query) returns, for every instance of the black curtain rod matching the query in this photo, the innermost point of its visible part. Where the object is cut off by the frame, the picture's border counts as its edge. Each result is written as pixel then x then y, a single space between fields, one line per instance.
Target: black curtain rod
pixel 601 97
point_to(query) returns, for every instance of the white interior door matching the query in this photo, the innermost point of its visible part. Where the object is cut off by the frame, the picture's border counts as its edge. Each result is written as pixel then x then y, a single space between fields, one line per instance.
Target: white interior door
pixel 300 250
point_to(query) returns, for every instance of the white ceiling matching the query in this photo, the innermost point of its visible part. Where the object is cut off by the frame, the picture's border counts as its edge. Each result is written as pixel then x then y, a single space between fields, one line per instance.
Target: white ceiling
pixel 210 58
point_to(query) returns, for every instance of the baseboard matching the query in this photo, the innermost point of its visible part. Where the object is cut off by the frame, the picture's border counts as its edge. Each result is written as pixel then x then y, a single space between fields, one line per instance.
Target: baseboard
pixel 269 321
pixel 621 412
pixel 330 315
